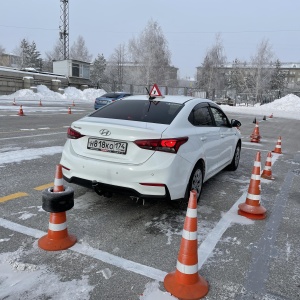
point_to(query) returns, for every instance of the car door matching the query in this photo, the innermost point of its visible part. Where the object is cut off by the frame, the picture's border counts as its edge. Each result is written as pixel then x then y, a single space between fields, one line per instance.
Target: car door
pixel 227 136
pixel 207 137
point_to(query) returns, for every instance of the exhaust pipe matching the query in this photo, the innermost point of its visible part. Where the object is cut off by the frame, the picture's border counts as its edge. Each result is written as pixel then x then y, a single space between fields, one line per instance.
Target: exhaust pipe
pixel 96 188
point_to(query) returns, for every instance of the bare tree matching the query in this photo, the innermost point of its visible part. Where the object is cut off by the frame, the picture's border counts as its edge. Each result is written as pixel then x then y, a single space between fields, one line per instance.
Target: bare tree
pixel 150 54
pixel 79 50
pixel 262 68
pixel 2 50
pixel 55 54
pixel 211 76
pixel 116 67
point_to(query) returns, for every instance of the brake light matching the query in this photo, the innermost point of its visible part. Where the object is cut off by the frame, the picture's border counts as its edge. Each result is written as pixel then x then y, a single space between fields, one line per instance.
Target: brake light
pixel 164 145
pixel 73 134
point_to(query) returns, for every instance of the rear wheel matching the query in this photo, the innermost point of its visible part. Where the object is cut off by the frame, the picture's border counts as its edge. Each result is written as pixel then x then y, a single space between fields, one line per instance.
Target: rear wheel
pixel 236 158
pixel 196 182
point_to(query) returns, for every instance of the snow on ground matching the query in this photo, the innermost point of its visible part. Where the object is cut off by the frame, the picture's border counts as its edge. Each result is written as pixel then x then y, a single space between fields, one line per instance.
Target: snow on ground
pixel 34 277
pixel 44 93
pixel 287 107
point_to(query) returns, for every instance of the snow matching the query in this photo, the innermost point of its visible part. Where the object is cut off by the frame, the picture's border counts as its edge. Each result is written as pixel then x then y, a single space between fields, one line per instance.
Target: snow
pixel 287 107
pixel 34 277
pixel 44 93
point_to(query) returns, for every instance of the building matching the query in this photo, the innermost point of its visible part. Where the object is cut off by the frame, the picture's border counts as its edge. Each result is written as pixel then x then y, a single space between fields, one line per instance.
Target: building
pixel 78 72
pixel 10 60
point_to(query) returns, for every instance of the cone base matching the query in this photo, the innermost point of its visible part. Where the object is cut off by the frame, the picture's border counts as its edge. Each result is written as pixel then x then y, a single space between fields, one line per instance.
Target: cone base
pixel 48 244
pixel 269 177
pixel 255 141
pixel 186 292
pixel 252 216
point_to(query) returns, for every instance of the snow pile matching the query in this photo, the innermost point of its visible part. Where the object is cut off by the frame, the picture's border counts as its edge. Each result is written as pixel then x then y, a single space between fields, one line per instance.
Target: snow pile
pixel 288 103
pixel 44 93
pixel 286 107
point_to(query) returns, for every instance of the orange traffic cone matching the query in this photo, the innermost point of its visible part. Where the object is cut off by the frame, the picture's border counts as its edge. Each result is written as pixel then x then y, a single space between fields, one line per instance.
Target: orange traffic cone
pixel 267 172
pixel 278 146
pixel 69 110
pixel 185 282
pixel 21 113
pixel 57 237
pixel 40 103
pixel 73 104
pixel 255 136
pixel 251 208
pixel 58 180
pixel 14 102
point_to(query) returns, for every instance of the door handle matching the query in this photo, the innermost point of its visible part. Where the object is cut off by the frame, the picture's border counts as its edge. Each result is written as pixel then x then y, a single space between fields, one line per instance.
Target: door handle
pixel 203 138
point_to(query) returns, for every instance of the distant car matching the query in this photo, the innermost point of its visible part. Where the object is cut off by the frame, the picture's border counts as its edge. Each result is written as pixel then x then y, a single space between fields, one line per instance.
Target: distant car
pixel 149 147
pixel 109 98
pixel 225 101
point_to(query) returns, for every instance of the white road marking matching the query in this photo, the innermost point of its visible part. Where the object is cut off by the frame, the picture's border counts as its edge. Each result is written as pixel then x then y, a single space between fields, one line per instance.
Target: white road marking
pixel 92 252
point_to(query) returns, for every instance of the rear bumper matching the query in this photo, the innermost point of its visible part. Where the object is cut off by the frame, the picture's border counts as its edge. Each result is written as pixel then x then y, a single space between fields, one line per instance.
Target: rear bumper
pixel 116 189
pixel 169 170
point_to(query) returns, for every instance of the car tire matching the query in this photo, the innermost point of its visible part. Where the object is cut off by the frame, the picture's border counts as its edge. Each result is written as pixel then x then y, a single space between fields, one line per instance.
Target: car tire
pixel 55 202
pixel 195 183
pixel 236 158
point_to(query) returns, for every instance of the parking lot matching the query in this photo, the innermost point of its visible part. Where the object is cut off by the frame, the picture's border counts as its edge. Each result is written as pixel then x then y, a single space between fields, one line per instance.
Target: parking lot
pixel 125 247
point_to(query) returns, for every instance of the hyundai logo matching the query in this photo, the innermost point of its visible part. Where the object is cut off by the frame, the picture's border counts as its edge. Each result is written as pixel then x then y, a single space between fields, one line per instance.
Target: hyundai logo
pixel 105 132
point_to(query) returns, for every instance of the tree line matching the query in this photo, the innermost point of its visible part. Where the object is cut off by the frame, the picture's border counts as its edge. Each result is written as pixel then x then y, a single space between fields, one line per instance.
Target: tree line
pixel 149 58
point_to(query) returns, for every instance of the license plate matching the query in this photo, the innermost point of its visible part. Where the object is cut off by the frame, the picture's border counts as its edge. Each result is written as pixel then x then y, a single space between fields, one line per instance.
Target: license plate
pixel 103 101
pixel 107 146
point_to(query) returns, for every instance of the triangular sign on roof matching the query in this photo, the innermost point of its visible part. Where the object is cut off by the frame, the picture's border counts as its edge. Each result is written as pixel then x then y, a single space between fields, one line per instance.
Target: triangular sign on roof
pixel 155 92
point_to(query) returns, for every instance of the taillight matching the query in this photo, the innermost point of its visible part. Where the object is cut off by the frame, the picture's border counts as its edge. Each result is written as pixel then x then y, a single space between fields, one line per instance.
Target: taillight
pixel 73 134
pixel 165 145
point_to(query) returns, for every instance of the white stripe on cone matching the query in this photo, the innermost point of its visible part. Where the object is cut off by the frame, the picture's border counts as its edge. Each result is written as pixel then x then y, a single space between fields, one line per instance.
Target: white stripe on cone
pixel 58 181
pixel 57 227
pixel 191 212
pixel 189 235
pixel 186 269
pixel 253 197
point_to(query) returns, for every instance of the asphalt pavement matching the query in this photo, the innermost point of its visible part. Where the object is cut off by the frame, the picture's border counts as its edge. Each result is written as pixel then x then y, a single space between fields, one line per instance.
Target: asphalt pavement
pixel 123 244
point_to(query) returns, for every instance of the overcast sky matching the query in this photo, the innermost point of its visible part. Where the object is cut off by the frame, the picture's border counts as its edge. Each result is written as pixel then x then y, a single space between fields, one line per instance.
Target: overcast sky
pixel 189 26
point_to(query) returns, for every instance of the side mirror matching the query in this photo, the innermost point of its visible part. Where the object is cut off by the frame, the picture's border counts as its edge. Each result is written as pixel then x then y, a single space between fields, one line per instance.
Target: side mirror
pixel 235 123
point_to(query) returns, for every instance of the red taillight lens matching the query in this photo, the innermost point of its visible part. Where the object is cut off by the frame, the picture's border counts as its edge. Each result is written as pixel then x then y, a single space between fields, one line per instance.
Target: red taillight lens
pixel 73 134
pixel 165 145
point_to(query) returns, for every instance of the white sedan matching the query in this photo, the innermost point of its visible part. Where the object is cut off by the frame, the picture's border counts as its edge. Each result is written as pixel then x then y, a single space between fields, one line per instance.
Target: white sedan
pixel 151 147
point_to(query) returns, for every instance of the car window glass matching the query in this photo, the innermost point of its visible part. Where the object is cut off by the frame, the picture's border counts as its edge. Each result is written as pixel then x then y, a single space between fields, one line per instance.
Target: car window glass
pixel 220 117
pixel 140 110
pixel 200 116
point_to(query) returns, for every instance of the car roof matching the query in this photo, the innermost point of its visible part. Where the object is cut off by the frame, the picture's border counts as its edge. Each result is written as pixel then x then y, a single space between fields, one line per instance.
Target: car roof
pixel 167 98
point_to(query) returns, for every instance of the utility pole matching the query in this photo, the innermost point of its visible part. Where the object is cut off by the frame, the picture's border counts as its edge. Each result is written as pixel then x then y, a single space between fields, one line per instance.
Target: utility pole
pixel 64 28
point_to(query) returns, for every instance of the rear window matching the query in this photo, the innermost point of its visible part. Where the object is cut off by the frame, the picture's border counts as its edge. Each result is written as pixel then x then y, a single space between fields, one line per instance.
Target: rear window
pixel 140 110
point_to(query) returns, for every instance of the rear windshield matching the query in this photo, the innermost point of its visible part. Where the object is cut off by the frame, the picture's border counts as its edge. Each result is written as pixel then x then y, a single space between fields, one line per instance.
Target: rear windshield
pixel 140 110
